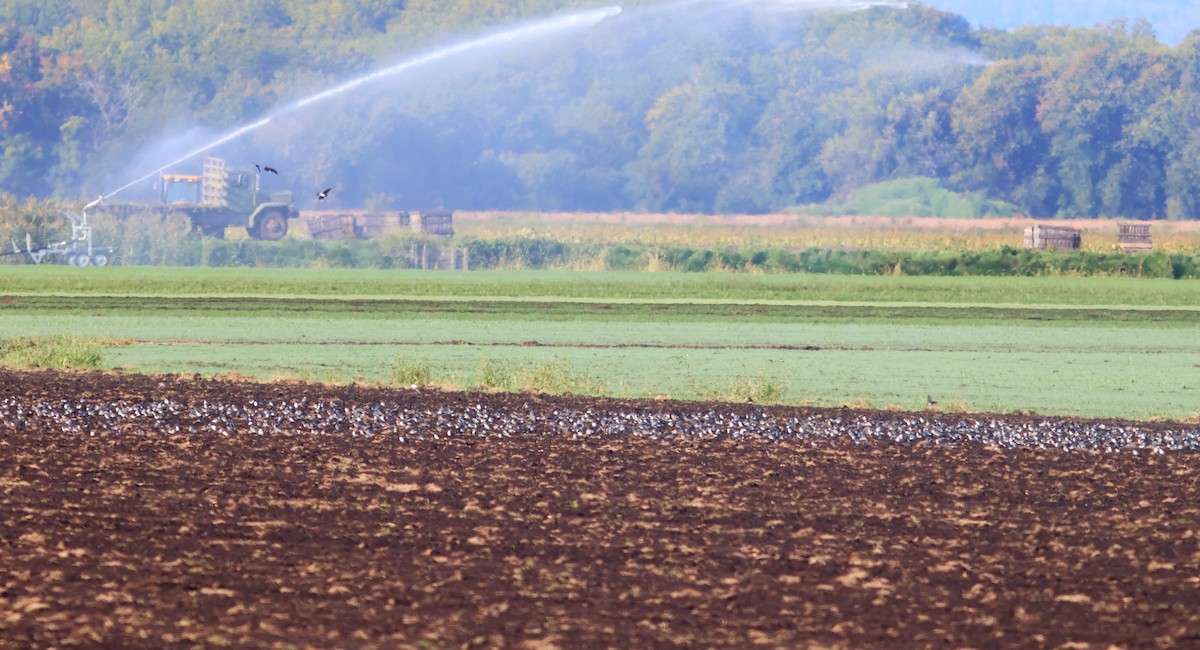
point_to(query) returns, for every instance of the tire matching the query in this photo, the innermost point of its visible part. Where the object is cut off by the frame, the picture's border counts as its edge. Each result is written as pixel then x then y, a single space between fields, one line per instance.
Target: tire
pixel 271 226
pixel 100 259
pixel 82 260
pixel 69 260
pixel 176 224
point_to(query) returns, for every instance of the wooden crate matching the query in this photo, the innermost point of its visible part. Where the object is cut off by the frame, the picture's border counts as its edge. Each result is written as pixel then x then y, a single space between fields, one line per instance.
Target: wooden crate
pixel 433 222
pixel 331 226
pixel 212 182
pixel 369 225
pixel 374 224
pixel 352 225
pixel 1134 237
pixel 1059 238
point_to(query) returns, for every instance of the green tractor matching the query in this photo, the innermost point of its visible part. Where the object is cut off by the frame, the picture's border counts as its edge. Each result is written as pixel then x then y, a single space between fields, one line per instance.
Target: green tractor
pixel 216 199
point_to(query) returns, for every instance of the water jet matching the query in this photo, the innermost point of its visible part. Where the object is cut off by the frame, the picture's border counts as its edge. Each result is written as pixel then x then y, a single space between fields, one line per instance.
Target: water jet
pixel 540 28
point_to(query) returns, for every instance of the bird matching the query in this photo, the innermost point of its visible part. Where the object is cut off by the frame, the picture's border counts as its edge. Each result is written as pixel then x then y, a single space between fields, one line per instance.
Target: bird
pixel 323 194
pixel 268 168
pixel 929 400
pixel 256 166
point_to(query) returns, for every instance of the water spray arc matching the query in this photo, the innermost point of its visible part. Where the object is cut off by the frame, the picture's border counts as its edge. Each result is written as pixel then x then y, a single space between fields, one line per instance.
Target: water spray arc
pixel 546 27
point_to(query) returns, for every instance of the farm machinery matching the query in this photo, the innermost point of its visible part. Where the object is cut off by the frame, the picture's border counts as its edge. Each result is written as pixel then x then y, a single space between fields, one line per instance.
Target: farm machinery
pixel 76 251
pixel 214 200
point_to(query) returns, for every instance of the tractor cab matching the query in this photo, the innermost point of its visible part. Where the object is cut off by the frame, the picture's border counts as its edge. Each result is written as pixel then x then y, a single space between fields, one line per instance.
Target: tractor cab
pixel 180 188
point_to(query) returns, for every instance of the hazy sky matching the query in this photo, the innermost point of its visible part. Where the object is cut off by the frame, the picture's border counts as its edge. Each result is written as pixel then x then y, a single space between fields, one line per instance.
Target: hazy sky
pixel 1172 19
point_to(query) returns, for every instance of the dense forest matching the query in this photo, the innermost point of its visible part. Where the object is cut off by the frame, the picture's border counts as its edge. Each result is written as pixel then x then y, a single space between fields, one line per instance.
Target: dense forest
pixel 696 105
pixel 1172 19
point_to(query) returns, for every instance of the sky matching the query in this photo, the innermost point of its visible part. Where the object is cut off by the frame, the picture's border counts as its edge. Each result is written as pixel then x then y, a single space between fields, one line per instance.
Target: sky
pixel 1172 19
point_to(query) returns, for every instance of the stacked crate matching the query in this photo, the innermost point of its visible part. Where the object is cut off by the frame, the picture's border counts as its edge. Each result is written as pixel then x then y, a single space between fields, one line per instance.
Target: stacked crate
pixel 1134 237
pixel 434 222
pixel 1059 238
pixel 212 182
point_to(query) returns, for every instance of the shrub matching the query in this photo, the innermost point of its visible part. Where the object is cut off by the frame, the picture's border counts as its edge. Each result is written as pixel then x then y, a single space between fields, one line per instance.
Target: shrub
pixel 496 375
pixel 555 376
pixel 623 258
pixel 760 389
pixel 922 197
pixel 411 372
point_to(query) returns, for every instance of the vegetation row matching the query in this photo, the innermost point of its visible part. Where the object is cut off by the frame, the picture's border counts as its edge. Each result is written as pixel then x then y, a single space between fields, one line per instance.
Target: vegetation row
pixel 555 376
pixel 540 253
pixel 148 240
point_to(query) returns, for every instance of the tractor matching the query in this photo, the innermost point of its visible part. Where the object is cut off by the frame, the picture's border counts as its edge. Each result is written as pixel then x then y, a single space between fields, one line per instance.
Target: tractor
pixel 216 199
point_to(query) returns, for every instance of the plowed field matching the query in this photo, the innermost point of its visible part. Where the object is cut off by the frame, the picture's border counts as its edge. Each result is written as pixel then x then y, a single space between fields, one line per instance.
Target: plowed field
pixel 142 512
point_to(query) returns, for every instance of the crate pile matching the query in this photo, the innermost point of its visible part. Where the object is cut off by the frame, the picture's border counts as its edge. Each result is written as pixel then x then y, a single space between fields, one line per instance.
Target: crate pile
pixel 360 225
pixel 1134 237
pixel 1059 238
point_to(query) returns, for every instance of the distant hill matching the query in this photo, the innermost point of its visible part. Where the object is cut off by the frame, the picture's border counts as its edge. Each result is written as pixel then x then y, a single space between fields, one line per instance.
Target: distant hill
pixel 715 106
pixel 1172 19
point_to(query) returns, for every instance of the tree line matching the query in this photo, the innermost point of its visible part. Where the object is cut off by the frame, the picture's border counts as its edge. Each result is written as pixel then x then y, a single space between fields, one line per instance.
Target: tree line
pixel 691 107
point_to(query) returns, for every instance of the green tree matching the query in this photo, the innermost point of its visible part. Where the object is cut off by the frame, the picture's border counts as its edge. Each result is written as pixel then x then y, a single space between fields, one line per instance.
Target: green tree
pixel 696 130
pixel 1171 126
pixel 1087 109
pixel 25 131
pixel 1003 150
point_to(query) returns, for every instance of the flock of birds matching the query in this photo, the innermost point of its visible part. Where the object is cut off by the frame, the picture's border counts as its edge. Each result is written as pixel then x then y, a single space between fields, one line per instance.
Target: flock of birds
pixel 321 196
pixel 426 420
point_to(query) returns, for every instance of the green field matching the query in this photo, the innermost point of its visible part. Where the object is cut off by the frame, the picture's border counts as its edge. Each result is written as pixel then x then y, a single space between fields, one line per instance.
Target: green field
pixel 1065 345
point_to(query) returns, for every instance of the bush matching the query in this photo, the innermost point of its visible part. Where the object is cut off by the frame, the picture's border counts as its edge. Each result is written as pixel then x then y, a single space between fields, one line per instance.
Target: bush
pixel 758 390
pixel 555 376
pixel 623 258
pixel 411 372
pixel 496 375
pixel 922 197
pixel 519 252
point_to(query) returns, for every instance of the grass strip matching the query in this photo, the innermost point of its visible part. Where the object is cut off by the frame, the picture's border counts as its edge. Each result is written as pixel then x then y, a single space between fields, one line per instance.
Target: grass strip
pixel 557 310
pixel 53 352
pixel 605 286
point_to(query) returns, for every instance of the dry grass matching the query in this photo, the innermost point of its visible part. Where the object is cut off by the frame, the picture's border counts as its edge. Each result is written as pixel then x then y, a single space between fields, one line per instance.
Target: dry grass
pixel 801 231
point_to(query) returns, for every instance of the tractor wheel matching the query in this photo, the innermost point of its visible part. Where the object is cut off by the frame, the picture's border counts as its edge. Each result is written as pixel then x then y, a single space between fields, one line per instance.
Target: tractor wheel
pixel 271 226
pixel 100 259
pixel 176 225
pixel 82 260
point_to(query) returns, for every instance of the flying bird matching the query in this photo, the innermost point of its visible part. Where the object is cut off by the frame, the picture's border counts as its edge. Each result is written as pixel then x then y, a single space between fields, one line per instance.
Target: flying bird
pixel 268 168
pixel 323 194
pixel 258 168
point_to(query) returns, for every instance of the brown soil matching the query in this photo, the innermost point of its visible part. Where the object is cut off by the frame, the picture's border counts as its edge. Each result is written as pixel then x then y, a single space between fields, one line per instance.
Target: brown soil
pixel 135 537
